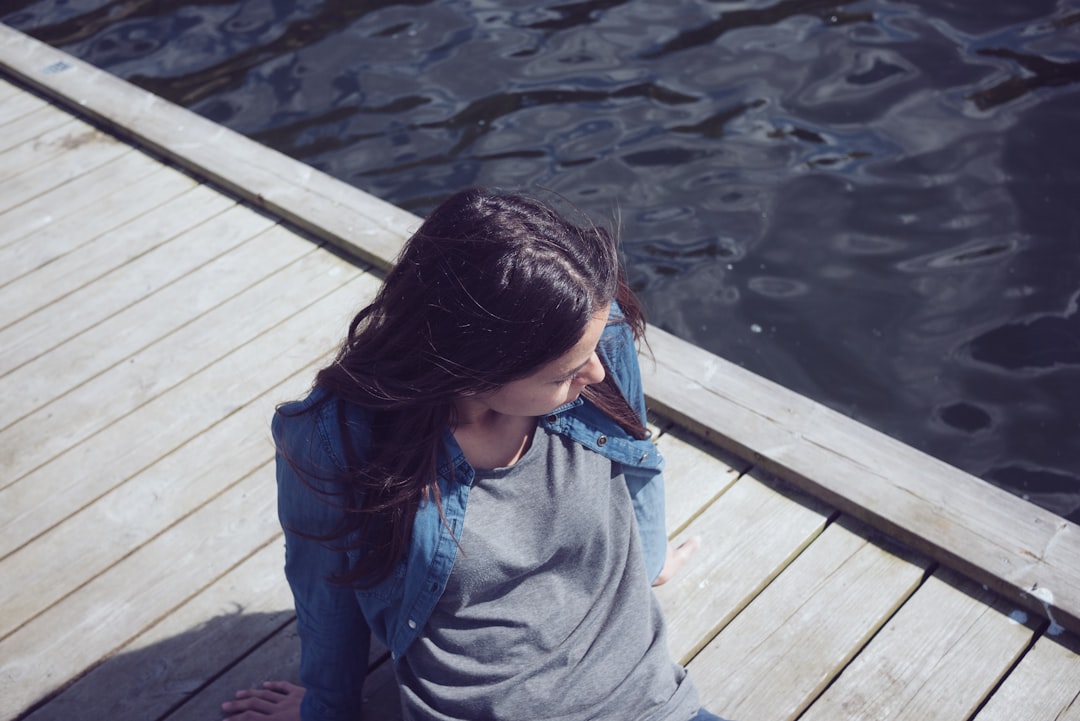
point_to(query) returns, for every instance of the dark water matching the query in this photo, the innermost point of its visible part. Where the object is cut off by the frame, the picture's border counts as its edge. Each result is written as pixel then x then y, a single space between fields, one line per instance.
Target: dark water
pixel 876 204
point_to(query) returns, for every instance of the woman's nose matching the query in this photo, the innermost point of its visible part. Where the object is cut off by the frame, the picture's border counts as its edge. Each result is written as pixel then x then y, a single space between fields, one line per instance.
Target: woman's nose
pixel 592 372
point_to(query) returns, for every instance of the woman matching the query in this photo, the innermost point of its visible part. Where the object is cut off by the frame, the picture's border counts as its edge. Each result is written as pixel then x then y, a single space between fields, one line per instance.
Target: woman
pixel 495 369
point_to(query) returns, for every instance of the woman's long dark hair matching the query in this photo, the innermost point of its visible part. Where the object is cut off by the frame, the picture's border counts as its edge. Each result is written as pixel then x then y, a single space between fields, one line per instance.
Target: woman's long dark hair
pixel 489 289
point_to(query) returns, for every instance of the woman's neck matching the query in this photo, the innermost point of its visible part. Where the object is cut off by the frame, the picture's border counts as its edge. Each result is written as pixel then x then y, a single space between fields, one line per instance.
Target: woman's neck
pixel 490 439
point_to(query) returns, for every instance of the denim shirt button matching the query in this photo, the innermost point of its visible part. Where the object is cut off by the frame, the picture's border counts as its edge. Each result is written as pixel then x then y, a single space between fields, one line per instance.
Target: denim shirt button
pixel 601 441
pixel 412 623
pixel 643 457
pixel 552 418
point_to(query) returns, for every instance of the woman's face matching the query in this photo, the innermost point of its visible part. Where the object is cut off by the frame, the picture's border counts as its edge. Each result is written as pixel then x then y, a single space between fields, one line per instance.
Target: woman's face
pixel 554 384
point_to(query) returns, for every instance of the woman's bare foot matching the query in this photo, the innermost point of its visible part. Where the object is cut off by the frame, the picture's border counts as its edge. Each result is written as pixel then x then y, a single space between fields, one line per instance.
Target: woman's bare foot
pixel 275 701
pixel 676 558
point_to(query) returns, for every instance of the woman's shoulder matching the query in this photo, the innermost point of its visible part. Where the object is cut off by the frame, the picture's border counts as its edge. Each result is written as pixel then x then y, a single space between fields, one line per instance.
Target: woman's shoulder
pixel 618 347
pixel 617 325
pixel 321 431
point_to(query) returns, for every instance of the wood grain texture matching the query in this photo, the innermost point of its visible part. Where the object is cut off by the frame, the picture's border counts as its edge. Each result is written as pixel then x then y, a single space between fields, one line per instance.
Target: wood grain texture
pixel 362 224
pixel 20 130
pixel 1045 685
pixel 73 197
pixel 163 667
pixel 51 325
pixel 15 105
pixel 34 504
pixel 278 658
pixel 8 90
pixel 777 656
pixel 986 533
pixel 700 476
pixel 747 537
pixel 203 418
pixel 100 150
pixel 939 658
pixel 43 147
pixel 192 336
pixel 58 238
pixel 92 258
pixel 132 594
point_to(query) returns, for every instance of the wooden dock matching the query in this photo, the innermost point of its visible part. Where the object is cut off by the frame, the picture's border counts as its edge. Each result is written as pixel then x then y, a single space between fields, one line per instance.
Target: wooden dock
pixel 165 283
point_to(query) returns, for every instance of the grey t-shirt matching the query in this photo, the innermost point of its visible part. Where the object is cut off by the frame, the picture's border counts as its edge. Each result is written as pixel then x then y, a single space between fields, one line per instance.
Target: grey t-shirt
pixel 547 613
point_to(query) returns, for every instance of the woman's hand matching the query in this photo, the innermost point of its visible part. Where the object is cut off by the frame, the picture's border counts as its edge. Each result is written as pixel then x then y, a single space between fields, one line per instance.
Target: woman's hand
pixel 676 558
pixel 275 701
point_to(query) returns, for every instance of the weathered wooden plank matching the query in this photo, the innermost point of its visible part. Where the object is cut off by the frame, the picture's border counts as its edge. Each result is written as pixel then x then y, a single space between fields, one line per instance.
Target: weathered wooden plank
pixel 16 105
pixel 172 307
pixel 51 375
pixel 748 535
pixel 129 597
pixel 48 327
pixel 938 658
pixel 97 149
pixel 305 196
pixel 987 533
pixel 778 655
pixel 164 666
pixel 30 507
pixel 130 515
pixel 222 628
pixel 139 504
pixel 46 146
pixel 32 125
pixel 8 89
pixel 62 236
pixel 105 253
pixel 1046 685
pixel 694 476
pixel 146 375
pixel 279 658
pixel 74 196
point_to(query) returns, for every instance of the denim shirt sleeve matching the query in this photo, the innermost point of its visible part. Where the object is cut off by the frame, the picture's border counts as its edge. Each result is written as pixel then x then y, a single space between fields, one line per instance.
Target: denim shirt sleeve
pixel 335 639
pixel 646 485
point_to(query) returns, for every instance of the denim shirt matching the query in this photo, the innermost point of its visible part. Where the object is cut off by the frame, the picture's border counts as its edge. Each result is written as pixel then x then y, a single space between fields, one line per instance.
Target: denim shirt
pixel 335 622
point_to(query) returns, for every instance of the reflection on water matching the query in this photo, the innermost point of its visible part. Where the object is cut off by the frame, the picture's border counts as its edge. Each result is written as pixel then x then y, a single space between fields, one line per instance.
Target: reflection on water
pixel 1042 343
pixel 873 203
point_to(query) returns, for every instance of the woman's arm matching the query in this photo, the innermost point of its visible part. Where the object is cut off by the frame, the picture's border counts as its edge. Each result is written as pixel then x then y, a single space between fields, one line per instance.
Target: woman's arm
pixel 646 482
pixel 646 485
pixel 334 637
